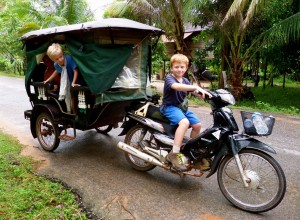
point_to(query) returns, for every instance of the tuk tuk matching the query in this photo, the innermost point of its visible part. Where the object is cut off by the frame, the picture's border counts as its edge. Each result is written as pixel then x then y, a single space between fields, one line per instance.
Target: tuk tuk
pixel 113 57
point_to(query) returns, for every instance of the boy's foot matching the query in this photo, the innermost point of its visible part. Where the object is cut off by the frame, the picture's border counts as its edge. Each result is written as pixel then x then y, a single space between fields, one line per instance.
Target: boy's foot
pixel 177 161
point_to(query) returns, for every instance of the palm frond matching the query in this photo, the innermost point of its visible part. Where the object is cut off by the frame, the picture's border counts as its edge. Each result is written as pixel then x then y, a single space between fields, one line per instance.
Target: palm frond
pixel 251 11
pixel 236 6
pixel 30 26
pixel 284 31
pixel 147 5
pixel 280 34
pixel 53 21
pixel 117 9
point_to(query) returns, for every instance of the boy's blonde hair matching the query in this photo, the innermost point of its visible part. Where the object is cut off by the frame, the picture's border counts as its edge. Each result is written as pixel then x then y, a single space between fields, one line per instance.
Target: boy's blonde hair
pixel 54 50
pixel 179 58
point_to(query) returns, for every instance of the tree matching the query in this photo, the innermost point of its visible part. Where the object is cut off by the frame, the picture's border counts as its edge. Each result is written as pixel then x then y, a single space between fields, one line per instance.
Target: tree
pixel 21 16
pixel 168 15
pixel 207 13
pixel 243 35
pixel 234 26
pixel 12 17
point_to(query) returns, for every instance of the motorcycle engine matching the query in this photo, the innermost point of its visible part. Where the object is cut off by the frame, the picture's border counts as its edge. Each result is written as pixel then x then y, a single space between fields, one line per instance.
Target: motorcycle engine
pixel 203 165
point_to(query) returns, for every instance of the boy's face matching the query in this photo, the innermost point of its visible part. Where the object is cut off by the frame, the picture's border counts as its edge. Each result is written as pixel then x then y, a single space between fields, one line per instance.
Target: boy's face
pixel 178 69
pixel 59 59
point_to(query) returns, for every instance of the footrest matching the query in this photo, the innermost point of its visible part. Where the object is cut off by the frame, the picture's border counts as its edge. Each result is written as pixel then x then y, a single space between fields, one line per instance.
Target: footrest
pixel 66 137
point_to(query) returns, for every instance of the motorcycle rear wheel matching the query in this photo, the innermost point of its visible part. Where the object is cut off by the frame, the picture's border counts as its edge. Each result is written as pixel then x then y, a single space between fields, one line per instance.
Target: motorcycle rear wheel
pixel 133 137
pixel 266 188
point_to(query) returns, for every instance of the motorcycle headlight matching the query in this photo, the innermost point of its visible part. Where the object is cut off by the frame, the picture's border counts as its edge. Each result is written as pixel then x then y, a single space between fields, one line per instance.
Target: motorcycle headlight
pixel 226 96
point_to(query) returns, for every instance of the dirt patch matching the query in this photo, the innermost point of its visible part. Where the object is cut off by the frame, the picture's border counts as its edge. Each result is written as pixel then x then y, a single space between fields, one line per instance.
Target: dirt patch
pixel 30 149
pixel 37 155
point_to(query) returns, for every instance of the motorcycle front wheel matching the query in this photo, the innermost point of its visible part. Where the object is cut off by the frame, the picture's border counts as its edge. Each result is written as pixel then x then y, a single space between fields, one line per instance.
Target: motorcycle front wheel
pixel 267 183
pixel 133 137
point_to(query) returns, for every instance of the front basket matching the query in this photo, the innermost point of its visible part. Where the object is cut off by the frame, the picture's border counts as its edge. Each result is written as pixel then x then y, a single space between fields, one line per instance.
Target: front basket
pixel 249 127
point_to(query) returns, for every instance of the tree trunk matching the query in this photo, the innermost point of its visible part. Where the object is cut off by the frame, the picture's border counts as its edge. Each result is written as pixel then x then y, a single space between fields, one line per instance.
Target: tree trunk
pixel 224 67
pixel 270 82
pixel 265 73
pixel 236 82
pixel 178 26
pixel 15 68
pixel 256 79
pixel 236 79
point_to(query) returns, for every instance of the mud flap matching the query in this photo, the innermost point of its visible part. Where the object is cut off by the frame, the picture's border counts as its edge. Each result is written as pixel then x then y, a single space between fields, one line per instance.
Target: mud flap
pixel 216 161
pixel 126 126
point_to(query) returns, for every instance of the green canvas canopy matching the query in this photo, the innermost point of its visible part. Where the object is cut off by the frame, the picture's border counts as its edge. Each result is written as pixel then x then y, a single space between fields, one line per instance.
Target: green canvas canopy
pixel 99 64
pixel 113 59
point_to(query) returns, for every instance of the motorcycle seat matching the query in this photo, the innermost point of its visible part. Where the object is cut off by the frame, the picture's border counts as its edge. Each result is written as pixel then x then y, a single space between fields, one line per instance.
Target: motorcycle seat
pixel 154 113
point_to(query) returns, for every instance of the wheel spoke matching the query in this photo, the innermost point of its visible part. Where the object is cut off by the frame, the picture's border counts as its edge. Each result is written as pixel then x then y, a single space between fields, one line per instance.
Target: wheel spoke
pixel 47 132
pixel 266 181
pixel 133 138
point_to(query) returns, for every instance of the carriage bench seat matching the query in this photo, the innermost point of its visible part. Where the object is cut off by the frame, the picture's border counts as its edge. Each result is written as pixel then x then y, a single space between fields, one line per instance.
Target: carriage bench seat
pixel 43 90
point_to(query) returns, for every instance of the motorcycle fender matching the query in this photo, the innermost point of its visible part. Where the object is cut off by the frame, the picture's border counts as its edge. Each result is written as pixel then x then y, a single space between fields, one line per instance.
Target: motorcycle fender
pixel 126 126
pixel 252 143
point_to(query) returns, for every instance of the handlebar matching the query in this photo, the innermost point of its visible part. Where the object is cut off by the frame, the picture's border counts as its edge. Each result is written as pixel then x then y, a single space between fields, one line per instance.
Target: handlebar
pixel 207 97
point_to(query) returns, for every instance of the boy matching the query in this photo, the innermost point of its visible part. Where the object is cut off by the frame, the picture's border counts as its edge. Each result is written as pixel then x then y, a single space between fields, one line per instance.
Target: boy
pixel 175 90
pixel 67 68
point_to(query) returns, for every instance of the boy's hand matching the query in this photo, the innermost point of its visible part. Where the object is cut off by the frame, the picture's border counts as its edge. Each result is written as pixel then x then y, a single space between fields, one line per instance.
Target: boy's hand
pixel 202 93
pixel 74 84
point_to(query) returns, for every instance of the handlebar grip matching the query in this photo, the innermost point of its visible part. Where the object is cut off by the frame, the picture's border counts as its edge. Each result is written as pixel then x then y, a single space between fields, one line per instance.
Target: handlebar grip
pixel 200 93
pixel 197 92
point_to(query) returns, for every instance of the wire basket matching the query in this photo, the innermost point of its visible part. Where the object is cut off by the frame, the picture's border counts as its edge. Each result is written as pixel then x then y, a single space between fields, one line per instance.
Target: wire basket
pixel 251 129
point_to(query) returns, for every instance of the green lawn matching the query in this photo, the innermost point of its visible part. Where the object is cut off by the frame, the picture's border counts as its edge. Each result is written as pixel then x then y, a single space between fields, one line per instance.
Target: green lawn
pixel 25 195
pixel 274 99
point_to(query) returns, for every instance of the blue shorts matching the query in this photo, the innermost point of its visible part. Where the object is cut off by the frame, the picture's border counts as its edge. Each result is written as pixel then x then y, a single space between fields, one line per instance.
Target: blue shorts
pixel 175 115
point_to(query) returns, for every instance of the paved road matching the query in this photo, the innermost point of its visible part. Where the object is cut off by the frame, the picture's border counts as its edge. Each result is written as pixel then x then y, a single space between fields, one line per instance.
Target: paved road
pixel 93 166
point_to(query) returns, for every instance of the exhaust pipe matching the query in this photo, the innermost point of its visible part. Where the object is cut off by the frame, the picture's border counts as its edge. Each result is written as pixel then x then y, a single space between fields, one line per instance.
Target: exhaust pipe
pixel 131 150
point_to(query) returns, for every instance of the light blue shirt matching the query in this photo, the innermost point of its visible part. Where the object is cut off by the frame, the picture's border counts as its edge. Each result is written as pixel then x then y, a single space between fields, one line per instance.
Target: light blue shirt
pixel 71 65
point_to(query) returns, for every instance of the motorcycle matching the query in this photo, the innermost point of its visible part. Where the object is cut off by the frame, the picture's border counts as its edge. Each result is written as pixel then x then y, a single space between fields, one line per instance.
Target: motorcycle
pixel 248 176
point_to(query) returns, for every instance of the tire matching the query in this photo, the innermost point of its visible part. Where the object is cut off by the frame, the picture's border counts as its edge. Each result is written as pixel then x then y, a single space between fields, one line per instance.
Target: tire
pixel 265 191
pixel 133 137
pixel 104 129
pixel 47 132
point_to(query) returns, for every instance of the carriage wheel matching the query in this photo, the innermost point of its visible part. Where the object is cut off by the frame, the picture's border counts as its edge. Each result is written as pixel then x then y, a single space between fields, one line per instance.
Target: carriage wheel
pixel 47 132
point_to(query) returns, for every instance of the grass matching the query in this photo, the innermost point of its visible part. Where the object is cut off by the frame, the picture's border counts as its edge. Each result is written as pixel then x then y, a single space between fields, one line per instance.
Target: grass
pixel 274 99
pixel 25 195
pixel 2 73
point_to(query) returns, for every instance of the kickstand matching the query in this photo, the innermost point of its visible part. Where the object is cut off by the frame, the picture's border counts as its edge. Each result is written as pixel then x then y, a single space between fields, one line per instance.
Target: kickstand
pixel 66 137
